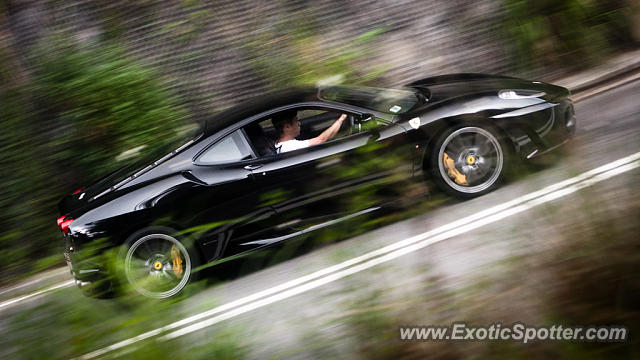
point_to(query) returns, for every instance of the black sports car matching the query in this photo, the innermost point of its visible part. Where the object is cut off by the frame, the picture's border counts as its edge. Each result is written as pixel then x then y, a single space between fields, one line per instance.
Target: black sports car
pixel 230 190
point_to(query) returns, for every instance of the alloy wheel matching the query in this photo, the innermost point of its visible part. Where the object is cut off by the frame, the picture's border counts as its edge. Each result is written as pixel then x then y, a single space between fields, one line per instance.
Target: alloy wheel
pixel 157 266
pixel 470 160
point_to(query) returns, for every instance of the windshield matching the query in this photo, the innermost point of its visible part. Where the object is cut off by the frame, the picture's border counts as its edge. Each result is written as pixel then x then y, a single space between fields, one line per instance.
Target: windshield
pixel 391 101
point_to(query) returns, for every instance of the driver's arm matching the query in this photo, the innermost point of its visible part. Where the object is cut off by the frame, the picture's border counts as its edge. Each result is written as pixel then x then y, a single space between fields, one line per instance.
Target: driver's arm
pixel 329 132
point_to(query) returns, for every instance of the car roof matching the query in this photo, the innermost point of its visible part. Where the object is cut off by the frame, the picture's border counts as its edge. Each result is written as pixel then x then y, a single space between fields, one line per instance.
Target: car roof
pixel 260 104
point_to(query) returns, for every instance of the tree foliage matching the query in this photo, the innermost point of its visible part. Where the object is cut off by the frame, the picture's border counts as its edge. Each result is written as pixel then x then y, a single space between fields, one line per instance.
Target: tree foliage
pixel 83 106
pixel 102 104
pixel 565 33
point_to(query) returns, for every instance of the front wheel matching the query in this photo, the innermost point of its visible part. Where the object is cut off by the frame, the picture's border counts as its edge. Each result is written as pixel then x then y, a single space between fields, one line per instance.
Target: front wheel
pixel 468 161
pixel 157 265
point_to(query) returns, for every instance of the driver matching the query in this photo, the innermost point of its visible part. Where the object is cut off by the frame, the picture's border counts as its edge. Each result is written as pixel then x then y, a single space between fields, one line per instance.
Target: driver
pixel 287 126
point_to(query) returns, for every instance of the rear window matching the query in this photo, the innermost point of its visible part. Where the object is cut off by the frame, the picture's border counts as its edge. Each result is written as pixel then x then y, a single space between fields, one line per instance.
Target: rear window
pixel 231 148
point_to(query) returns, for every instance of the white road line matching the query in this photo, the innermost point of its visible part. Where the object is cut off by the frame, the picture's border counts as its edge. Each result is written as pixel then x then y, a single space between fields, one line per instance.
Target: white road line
pixel 64 270
pixel 383 254
pixel 578 97
pixel 426 241
pixel 583 95
pixel 37 293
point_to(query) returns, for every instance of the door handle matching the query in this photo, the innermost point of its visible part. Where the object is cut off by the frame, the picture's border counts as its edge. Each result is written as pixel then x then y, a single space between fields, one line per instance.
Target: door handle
pixel 252 167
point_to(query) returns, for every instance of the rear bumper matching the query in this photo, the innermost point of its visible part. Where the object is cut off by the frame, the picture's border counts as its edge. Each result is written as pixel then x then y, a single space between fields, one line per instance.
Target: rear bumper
pixel 86 272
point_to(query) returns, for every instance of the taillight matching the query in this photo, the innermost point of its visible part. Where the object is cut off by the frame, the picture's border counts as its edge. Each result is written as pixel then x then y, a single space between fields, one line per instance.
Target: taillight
pixel 78 191
pixel 63 224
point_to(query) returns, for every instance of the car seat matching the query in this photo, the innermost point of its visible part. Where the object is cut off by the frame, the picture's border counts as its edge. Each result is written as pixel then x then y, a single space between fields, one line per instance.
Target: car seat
pixel 262 144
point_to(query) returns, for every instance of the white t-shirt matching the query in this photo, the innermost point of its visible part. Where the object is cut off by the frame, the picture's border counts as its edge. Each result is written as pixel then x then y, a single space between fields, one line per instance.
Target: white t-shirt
pixel 291 145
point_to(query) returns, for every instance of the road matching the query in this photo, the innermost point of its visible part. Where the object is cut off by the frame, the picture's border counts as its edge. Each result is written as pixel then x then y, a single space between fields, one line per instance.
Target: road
pixel 487 268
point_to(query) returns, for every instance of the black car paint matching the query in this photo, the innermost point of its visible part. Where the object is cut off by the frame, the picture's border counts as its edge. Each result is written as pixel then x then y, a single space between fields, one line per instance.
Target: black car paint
pixel 180 193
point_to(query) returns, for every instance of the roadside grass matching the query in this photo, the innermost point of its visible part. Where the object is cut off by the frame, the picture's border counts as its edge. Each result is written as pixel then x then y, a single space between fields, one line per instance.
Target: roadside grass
pixel 35 266
pixel 38 266
pixel 74 325
pixel 585 275
pixel 226 344
pixel 66 324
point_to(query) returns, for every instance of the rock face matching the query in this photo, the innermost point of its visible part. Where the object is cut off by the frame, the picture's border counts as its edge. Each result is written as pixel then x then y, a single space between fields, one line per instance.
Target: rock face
pixel 209 49
pixel 635 21
pixel 217 53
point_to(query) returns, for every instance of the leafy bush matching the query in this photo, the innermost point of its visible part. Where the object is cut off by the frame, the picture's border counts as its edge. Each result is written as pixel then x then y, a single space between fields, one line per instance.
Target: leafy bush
pixel 81 109
pixel 102 105
pixel 566 33
pixel 298 58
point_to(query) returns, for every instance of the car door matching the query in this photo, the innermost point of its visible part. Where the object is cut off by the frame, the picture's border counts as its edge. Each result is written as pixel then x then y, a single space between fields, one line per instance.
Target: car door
pixel 318 186
pixel 230 209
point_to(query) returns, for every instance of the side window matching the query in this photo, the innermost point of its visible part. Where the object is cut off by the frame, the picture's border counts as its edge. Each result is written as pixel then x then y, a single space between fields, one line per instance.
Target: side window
pixel 263 136
pixel 231 148
pixel 314 121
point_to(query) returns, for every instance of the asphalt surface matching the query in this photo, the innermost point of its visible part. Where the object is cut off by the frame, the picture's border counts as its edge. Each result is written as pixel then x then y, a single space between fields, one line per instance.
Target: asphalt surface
pixel 608 129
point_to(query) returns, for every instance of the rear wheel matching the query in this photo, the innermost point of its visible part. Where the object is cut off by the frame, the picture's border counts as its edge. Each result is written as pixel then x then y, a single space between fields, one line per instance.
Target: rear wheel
pixel 468 161
pixel 157 265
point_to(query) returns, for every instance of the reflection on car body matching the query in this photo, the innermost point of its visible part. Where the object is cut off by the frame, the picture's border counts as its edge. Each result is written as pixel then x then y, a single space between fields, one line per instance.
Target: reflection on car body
pixel 228 192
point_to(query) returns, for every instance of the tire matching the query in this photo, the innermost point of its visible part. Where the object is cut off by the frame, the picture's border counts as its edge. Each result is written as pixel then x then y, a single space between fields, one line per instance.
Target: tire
pixel 156 263
pixel 467 161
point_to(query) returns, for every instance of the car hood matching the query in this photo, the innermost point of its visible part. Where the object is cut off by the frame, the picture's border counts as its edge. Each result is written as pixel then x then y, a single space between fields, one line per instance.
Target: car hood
pixel 449 86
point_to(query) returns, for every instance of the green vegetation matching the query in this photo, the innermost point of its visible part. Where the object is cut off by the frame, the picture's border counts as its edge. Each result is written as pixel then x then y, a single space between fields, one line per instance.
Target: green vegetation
pixel 72 113
pixel 306 62
pixel 73 326
pixel 567 34
pixel 583 276
pixel 99 104
pixel 86 111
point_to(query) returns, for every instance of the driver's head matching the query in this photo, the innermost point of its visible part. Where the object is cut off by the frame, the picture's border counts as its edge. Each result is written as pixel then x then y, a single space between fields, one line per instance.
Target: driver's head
pixel 286 122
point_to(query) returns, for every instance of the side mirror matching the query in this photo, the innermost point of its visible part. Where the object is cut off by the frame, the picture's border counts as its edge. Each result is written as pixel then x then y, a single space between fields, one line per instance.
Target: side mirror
pixel 365 118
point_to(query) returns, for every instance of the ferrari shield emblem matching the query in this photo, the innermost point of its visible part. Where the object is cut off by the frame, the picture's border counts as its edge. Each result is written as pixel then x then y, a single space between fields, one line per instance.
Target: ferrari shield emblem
pixel 415 122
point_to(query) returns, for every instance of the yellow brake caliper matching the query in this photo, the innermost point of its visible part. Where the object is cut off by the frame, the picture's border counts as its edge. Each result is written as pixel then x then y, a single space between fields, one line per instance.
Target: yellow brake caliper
pixel 176 260
pixel 453 173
